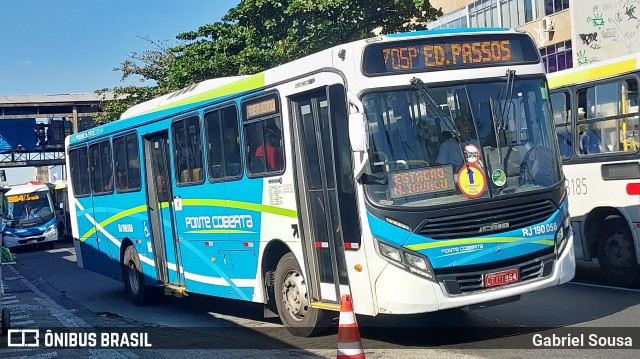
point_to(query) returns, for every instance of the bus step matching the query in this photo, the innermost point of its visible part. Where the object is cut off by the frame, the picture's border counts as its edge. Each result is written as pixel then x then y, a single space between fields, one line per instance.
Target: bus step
pixel 175 290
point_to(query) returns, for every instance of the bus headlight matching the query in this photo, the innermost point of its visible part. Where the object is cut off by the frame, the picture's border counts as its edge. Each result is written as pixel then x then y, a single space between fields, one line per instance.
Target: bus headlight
pixel 561 236
pixel 410 261
pixel 50 229
pixel 390 252
pixel 415 261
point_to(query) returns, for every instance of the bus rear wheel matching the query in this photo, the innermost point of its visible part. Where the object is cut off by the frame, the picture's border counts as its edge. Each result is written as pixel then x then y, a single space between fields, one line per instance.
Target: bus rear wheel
pixel 616 253
pixel 293 301
pixel 133 278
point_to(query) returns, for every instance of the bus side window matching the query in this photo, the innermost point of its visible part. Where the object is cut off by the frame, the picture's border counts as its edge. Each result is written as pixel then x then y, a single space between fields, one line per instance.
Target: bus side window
pixel 265 146
pixel 79 171
pixel 560 103
pixel 133 162
pixel 263 139
pixel 101 167
pixel 127 163
pixel 223 143
pixel 187 150
pixel 608 121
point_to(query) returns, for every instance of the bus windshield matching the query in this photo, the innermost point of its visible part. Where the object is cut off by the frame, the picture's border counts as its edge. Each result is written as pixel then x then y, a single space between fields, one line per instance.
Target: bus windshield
pixel 29 207
pixel 438 145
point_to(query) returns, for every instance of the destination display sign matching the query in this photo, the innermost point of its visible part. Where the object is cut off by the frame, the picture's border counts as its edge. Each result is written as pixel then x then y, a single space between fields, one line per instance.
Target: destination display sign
pixel 421 181
pixel 22 198
pixel 441 53
pixel 265 107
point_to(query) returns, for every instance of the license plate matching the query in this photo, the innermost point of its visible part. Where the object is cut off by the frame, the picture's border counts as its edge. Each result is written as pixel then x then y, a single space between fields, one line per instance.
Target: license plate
pixel 32 241
pixel 501 278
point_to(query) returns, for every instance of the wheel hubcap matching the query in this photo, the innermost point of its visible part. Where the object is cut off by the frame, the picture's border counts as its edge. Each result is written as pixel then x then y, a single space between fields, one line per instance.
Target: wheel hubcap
pixel 133 277
pixel 294 295
pixel 618 251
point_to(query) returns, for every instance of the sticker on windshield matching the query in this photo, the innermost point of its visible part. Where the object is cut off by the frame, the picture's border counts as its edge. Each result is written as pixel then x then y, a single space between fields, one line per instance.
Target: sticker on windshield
pixel 472 153
pixel 499 178
pixel 471 181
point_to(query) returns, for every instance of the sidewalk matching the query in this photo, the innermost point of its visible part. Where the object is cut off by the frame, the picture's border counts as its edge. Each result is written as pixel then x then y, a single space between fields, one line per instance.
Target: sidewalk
pixel 32 309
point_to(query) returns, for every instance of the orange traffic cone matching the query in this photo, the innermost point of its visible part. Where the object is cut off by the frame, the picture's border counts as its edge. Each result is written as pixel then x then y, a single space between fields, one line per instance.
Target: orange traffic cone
pixel 349 343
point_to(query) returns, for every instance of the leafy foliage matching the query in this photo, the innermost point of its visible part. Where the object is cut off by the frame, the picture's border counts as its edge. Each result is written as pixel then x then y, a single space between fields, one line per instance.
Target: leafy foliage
pixel 257 35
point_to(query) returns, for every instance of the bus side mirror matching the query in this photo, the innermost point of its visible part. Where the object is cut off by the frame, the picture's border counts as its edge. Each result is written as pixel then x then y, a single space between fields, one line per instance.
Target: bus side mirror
pixel 357 132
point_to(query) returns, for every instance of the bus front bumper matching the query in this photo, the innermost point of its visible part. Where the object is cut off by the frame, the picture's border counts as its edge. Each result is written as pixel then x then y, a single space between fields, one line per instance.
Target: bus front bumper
pixel 400 292
pixel 15 241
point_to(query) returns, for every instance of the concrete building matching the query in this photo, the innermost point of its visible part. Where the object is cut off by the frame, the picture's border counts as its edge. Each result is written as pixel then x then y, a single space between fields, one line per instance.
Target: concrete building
pixel 567 36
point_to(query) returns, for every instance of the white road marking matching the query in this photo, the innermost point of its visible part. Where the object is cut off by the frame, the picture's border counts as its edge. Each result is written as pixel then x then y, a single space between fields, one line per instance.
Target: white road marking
pixel 605 287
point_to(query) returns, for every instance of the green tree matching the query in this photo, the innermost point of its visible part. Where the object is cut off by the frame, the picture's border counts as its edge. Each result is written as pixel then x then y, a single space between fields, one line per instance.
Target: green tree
pixel 150 66
pixel 257 35
pixel 281 31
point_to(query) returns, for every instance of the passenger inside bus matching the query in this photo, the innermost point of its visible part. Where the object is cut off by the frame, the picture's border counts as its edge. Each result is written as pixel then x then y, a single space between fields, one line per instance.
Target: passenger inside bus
pixel 424 137
pixel 271 148
pixel 121 181
pixel 589 140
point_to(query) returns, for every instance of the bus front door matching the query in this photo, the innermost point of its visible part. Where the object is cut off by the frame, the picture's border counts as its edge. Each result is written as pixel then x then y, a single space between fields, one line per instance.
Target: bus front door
pixel 160 209
pixel 319 196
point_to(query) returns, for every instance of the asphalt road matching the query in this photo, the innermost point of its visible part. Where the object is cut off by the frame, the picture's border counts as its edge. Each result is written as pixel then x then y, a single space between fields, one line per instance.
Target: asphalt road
pixel 496 332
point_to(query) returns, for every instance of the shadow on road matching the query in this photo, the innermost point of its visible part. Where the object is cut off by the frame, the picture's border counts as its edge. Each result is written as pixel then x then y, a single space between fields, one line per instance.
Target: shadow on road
pixel 236 324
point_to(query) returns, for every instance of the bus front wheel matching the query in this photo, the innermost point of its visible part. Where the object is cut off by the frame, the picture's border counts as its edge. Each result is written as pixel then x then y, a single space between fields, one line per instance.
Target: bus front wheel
pixel 293 301
pixel 134 278
pixel 616 253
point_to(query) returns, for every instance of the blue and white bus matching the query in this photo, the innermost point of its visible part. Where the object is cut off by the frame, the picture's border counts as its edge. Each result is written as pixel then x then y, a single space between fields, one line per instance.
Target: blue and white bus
pixel 347 171
pixel 29 216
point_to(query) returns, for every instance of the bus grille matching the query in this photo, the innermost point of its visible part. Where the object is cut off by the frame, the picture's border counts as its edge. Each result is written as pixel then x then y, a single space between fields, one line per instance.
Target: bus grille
pixel 489 221
pixel 25 241
pixel 465 282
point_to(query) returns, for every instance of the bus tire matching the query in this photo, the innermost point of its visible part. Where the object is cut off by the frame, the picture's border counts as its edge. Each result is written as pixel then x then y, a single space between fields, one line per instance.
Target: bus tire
pixel 133 278
pixel 293 301
pixel 616 253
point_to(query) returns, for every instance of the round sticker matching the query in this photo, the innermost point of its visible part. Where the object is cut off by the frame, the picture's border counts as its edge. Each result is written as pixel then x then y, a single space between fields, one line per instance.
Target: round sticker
pixel 498 177
pixel 472 153
pixel 471 181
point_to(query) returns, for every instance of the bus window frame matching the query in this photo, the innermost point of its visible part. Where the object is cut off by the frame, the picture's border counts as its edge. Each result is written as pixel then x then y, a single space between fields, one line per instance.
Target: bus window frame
pixel 572 119
pixel 124 135
pixel 172 147
pixel 244 123
pixel 77 147
pixel 97 143
pixel 221 107
pixel 599 157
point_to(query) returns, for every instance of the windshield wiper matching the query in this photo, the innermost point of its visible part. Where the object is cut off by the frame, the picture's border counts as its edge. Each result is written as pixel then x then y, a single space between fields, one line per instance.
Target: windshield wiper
pixel 492 109
pixel 422 88
pixel 500 125
pixel 508 95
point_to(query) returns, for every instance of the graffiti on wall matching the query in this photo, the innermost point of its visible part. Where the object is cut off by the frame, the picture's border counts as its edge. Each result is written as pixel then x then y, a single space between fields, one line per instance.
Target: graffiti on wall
pixel 605 29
